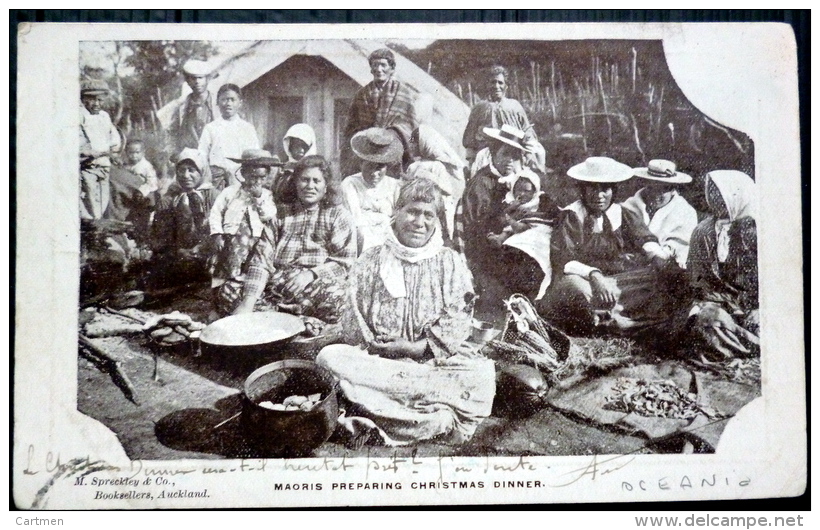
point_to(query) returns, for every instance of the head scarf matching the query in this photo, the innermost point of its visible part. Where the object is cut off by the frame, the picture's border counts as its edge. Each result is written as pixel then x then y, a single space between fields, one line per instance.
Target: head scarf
pixel 394 254
pixel 739 193
pixel 301 131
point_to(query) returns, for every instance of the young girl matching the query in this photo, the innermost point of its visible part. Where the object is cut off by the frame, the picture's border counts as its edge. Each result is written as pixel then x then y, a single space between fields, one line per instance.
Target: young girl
pixel 299 142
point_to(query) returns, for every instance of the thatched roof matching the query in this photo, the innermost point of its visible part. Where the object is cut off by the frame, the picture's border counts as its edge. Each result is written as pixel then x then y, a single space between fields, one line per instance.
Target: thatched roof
pixel 436 104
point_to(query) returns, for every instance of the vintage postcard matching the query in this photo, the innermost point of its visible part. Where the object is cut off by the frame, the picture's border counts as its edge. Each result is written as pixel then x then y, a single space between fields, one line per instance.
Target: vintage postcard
pixel 403 265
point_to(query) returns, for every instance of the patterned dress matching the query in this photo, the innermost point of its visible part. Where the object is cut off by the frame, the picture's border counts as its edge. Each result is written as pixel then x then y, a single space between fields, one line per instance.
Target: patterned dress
pixel 445 397
pixel 319 239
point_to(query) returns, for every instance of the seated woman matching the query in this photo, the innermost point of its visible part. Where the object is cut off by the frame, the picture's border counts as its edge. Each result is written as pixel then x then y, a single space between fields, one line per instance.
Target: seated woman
pixel 481 216
pixel 432 157
pixel 603 281
pixel 299 142
pixel 409 310
pixel 240 214
pixel 371 194
pixel 724 319
pixel 180 233
pixel 665 212
pixel 301 267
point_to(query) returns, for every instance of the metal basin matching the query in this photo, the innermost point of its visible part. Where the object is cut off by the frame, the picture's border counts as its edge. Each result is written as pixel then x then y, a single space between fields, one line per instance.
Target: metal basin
pixel 249 340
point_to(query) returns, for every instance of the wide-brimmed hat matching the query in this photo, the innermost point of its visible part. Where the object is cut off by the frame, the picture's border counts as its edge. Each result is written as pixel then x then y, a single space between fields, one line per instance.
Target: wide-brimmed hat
pixel 257 158
pixel 662 171
pixel 197 68
pixel 508 135
pixel 600 169
pixel 94 87
pixel 195 156
pixel 377 145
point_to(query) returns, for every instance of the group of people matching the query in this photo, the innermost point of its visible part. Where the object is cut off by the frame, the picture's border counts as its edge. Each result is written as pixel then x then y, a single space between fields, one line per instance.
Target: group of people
pixel 399 251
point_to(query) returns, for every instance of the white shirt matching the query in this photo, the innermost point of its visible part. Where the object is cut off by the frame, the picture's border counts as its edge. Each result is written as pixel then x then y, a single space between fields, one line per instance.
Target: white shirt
pixel 673 224
pixel 223 139
pixel 371 208
pixel 98 132
pixel 146 171
pixel 230 206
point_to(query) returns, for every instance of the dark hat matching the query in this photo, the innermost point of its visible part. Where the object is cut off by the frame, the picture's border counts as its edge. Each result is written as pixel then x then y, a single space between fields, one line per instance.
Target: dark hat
pixel 377 145
pixel 662 171
pixel 600 169
pixel 93 87
pixel 257 158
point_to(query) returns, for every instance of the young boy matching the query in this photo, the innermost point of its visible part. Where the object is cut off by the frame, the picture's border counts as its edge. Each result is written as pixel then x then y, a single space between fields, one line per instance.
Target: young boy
pixel 136 163
pixel 227 138
pixel 99 139
pixel 134 191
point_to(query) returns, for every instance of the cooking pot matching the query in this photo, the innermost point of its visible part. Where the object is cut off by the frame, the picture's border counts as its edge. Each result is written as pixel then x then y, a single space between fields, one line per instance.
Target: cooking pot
pixel 249 340
pixel 289 433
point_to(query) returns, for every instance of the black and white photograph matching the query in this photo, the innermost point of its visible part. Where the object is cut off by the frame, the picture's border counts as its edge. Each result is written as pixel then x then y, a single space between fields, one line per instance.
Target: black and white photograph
pixel 392 265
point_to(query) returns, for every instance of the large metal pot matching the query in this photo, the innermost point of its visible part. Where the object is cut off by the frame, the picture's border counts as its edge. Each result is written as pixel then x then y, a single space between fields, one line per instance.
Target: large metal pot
pixel 294 433
pixel 250 340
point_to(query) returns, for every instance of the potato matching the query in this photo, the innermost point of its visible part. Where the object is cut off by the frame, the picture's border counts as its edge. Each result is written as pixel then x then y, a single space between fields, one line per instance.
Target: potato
pixel 315 397
pixel 294 400
pixel 291 407
pixel 306 406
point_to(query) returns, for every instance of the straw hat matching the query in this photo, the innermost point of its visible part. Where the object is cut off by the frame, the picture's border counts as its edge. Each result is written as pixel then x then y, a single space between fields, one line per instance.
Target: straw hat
pixel 257 158
pixel 662 171
pixel 508 135
pixel 93 87
pixel 377 145
pixel 195 156
pixel 600 169
pixel 196 68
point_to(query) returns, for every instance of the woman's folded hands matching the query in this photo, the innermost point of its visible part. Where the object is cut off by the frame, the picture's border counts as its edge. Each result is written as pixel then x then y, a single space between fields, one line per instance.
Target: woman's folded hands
pixel 398 348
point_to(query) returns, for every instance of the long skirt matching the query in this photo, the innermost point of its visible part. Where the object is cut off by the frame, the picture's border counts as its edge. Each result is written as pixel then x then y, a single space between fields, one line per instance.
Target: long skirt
pixel 408 401
pixel 713 334
pixel 322 298
pixel 644 300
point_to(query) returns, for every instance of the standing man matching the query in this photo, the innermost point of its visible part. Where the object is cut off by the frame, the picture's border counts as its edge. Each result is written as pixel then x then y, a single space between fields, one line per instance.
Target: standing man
pixel 199 108
pixel 496 111
pixel 384 102
pixel 99 139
